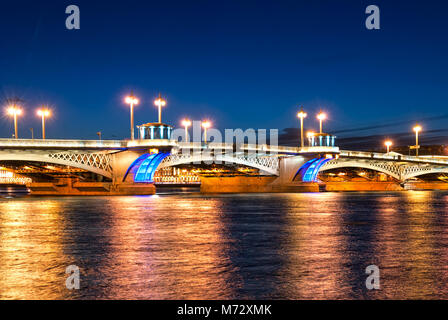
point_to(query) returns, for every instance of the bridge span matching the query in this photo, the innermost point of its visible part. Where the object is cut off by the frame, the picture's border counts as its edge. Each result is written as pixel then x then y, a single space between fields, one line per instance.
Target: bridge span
pixel 129 166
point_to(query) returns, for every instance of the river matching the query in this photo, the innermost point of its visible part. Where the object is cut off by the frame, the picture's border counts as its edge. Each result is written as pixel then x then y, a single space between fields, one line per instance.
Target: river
pixel 228 246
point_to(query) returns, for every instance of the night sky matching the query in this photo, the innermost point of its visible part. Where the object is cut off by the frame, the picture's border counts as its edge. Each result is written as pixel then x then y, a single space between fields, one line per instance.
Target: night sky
pixel 242 64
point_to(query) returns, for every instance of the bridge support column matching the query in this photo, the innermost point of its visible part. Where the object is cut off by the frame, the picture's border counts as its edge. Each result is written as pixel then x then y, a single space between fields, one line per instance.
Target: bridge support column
pixel 288 167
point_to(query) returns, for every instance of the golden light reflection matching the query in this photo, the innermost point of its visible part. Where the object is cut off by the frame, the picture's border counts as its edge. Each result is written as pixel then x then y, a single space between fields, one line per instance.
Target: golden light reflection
pixel 315 260
pixel 420 246
pixel 154 239
pixel 31 259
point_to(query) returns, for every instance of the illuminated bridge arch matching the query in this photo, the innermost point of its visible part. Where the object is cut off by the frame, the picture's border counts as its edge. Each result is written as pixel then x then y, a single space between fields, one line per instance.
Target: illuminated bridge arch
pixel 392 169
pixel 267 164
pixel 146 165
pixel 419 170
pixel 99 163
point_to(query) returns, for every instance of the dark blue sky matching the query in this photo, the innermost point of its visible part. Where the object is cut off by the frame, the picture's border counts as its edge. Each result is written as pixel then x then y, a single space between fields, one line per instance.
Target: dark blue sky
pixel 239 63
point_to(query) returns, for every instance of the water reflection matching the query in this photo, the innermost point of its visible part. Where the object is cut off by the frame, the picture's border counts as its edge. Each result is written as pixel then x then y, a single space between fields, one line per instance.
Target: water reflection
pixel 30 249
pixel 188 246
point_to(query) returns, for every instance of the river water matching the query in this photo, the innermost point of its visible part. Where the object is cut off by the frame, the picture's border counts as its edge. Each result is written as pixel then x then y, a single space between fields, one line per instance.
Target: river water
pixel 248 246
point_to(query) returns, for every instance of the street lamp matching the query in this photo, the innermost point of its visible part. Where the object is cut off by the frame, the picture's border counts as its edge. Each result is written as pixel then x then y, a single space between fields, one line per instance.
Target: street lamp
pixel 417 129
pixel 206 124
pixel 43 113
pixel 321 117
pixel 131 101
pixel 159 102
pixel 186 123
pixel 301 115
pixel 15 111
pixel 388 144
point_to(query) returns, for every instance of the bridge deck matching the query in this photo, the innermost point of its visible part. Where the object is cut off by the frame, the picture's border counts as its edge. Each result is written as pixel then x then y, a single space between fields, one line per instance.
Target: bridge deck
pixel 61 144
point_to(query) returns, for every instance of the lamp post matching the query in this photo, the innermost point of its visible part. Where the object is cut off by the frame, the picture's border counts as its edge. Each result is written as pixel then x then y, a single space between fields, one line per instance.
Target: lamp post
pixel 159 102
pixel 417 129
pixel 15 111
pixel 131 100
pixel 301 115
pixel 206 124
pixel 43 113
pixel 388 144
pixel 321 117
pixel 186 123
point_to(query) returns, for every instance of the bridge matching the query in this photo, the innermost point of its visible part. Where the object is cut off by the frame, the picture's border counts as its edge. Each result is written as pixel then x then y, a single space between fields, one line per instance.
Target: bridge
pixel 130 166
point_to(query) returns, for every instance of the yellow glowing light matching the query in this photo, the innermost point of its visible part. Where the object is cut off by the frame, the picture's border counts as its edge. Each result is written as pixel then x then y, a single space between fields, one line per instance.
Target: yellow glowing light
pixel 159 102
pixel 388 143
pixel 131 100
pixel 14 111
pixel 310 134
pixel 206 124
pixel 186 123
pixel 417 128
pixel 322 116
pixel 43 112
pixel 302 114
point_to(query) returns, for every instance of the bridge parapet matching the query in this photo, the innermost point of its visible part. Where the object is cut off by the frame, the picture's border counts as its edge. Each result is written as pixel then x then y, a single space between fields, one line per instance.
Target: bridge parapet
pixel 61 144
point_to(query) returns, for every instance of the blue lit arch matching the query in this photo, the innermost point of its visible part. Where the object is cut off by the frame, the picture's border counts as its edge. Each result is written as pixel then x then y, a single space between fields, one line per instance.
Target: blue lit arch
pixel 310 169
pixel 145 167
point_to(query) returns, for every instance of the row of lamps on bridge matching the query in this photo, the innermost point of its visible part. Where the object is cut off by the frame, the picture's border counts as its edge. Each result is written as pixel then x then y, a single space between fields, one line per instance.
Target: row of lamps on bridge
pixel 15 111
pixel 417 128
pixel 321 116
pixel 159 103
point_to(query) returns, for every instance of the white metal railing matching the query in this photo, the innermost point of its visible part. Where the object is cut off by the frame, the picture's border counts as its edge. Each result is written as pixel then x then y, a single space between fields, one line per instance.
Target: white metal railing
pixel 60 143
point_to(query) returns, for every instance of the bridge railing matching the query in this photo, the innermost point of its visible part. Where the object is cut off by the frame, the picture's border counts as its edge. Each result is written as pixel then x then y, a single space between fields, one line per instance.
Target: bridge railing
pixel 61 143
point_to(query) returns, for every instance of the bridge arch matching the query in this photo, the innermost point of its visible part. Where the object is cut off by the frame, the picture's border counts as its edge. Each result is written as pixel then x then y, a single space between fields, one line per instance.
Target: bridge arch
pixel 267 164
pixel 146 165
pixel 420 171
pixel 95 163
pixel 384 167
